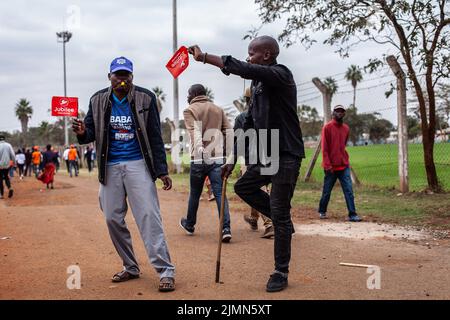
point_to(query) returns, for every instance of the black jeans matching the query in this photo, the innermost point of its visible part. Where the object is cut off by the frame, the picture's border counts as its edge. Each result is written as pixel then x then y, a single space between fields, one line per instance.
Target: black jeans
pixel 4 175
pixel 277 205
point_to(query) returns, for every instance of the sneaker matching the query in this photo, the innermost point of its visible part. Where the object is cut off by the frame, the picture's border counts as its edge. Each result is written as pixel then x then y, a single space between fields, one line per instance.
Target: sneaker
pixel 189 230
pixel 10 193
pixel 252 222
pixel 226 235
pixel 268 233
pixel 211 198
pixel 354 218
pixel 277 282
pixel 322 215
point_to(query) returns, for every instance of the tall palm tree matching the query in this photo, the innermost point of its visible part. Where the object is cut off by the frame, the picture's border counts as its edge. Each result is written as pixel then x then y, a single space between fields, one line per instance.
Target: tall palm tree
pixel 45 129
pixel 160 97
pixel 23 112
pixel 331 85
pixel 354 75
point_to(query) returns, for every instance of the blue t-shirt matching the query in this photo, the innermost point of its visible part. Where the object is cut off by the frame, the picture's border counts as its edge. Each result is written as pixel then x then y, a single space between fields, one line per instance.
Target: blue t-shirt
pixel 123 143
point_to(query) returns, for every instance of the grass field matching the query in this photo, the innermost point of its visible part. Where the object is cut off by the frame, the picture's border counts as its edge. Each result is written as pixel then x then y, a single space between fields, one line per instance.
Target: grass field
pixel 377 199
pixel 374 204
pixel 377 165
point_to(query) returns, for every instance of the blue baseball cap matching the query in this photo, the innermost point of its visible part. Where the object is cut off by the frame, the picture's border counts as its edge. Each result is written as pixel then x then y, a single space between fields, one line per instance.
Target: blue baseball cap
pixel 121 63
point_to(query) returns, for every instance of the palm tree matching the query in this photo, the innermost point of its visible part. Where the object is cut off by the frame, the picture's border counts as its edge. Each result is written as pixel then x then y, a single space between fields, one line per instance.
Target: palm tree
pixel 23 113
pixel 209 93
pixel 354 75
pixel 45 129
pixel 160 97
pixel 331 85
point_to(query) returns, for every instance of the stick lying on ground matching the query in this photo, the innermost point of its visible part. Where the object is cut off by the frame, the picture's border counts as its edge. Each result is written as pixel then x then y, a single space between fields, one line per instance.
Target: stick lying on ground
pixel 355 265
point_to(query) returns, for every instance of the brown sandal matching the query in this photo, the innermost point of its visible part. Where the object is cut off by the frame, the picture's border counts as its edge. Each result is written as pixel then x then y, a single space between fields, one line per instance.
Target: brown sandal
pixel 124 276
pixel 166 284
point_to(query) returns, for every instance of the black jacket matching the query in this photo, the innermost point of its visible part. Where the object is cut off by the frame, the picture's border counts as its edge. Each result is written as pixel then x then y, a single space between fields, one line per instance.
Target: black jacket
pixel 273 103
pixel 148 129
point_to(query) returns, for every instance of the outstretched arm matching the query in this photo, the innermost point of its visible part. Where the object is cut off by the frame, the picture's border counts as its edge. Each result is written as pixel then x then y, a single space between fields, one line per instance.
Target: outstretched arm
pixel 205 57
pixel 273 75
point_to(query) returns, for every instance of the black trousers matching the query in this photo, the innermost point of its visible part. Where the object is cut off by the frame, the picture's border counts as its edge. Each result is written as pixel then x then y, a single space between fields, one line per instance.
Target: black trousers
pixel 4 175
pixel 277 205
pixel 89 164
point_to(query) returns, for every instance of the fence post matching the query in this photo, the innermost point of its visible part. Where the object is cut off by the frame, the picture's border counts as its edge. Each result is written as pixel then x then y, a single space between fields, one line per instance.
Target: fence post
pixel 402 125
pixel 326 96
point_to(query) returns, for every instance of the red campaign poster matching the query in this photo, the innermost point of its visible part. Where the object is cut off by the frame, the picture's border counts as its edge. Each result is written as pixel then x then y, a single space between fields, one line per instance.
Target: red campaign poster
pixel 65 106
pixel 179 62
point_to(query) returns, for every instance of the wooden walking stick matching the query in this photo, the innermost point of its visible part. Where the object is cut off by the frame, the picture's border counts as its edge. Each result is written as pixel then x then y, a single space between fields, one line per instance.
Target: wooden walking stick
pixel 222 214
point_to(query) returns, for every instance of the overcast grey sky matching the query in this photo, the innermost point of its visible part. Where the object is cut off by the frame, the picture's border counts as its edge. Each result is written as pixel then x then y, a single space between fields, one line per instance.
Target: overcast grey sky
pixel 142 31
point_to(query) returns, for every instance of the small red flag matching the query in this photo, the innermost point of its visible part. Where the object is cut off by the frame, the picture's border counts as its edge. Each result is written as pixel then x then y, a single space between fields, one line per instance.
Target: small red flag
pixel 179 62
pixel 65 106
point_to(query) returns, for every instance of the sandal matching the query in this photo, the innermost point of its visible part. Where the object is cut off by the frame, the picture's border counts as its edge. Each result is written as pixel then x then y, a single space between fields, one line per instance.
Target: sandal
pixel 166 284
pixel 124 276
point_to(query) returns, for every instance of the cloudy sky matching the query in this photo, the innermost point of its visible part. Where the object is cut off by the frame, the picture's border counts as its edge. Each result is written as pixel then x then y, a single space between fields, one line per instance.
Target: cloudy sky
pixel 141 30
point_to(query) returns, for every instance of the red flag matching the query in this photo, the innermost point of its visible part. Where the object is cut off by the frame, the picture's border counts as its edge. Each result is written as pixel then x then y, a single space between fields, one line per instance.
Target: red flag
pixel 65 106
pixel 179 62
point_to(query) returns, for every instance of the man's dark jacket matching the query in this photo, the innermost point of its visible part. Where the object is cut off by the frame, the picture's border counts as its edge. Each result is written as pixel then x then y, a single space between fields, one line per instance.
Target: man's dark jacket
pixel 148 129
pixel 273 103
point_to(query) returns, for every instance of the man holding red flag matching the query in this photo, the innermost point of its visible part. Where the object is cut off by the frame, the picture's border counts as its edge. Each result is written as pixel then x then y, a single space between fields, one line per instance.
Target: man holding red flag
pixel 273 109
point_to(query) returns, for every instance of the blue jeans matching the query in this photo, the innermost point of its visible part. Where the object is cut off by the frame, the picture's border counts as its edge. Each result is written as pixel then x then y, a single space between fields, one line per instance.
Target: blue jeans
pixel 198 173
pixel 346 184
pixel 73 164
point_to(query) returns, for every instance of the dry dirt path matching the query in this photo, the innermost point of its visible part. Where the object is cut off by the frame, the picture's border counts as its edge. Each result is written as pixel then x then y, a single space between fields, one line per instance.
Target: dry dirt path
pixel 51 230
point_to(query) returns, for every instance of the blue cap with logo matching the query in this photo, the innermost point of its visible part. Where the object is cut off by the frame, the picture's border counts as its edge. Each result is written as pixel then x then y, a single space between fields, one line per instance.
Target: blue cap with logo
pixel 121 63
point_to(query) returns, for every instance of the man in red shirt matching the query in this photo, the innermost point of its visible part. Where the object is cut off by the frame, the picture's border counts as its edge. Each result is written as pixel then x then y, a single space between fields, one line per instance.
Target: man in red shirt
pixel 335 163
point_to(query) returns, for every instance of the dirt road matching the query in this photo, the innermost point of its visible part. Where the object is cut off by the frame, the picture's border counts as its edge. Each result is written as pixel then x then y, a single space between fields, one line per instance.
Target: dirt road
pixel 43 233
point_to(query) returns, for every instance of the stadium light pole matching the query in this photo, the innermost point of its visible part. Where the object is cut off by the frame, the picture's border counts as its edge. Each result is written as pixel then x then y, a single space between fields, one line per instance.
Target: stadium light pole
pixel 175 82
pixel 63 37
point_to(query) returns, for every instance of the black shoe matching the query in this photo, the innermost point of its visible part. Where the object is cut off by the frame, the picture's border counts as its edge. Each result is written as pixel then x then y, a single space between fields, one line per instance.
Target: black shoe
pixel 189 230
pixel 226 235
pixel 354 218
pixel 277 282
pixel 10 193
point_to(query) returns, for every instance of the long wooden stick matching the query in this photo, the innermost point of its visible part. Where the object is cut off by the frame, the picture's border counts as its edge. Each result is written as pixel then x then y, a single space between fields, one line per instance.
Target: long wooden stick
pixel 355 265
pixel 222 214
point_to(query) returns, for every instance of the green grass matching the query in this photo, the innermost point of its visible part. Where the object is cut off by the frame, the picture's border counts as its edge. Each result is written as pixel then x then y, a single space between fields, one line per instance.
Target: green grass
pixel 381 204
pixel 377 165
pixel 374 204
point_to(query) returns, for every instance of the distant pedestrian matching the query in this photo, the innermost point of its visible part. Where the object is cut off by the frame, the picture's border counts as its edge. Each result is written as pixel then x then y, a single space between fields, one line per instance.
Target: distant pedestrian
pixel 20 161
pixel 335 162
pixel 49 162
pixel 73 159
pixel 88 158
pixel 66 158
pixel 6 157
pixel 36 158
pixel 28 163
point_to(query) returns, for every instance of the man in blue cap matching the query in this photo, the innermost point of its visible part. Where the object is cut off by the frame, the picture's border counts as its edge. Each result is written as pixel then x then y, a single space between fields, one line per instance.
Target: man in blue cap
pixel 123 121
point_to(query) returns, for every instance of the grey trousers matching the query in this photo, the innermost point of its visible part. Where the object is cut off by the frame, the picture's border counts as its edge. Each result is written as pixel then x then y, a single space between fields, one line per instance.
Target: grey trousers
pixel 132 180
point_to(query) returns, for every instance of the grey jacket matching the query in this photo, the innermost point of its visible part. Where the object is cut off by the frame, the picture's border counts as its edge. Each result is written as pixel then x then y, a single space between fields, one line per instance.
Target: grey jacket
pixel 6 155
pixel 148 129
